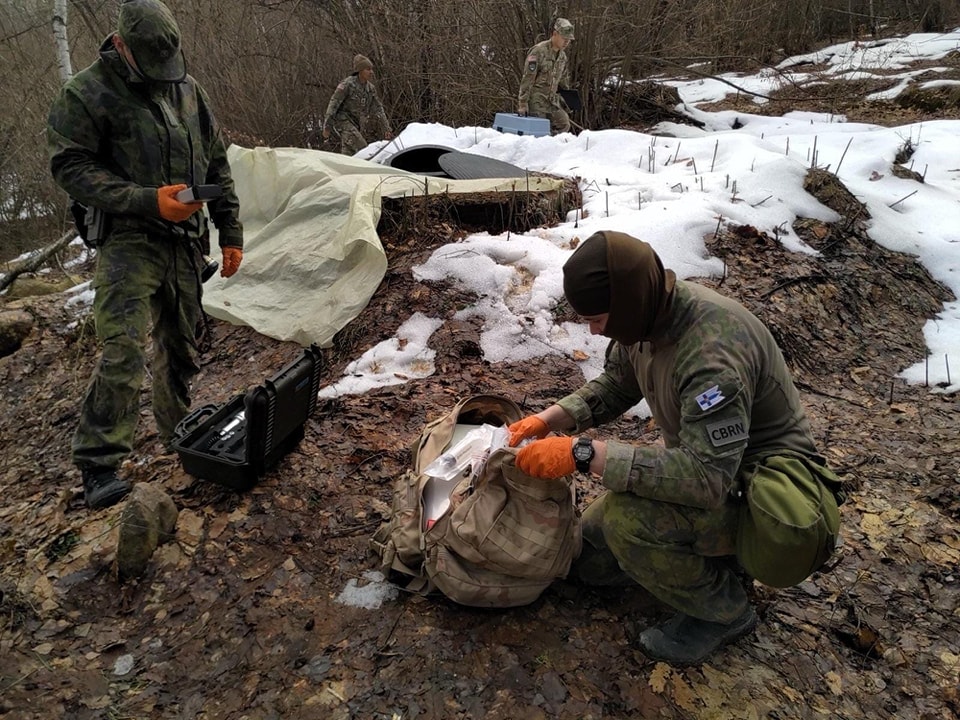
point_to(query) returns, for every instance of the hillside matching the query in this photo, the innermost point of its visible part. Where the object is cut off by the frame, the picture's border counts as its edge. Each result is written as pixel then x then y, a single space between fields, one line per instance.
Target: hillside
pixel 239 617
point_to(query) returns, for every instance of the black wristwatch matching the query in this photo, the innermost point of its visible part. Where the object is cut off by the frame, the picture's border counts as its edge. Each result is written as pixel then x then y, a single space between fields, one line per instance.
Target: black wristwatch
pixel 583 453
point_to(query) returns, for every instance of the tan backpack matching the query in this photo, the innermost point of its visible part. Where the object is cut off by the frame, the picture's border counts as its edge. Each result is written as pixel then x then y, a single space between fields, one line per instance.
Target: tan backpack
pixel 505 536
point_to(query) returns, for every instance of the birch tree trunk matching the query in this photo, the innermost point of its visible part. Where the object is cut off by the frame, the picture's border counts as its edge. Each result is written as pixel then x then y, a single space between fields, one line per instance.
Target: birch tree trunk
pixel 60 40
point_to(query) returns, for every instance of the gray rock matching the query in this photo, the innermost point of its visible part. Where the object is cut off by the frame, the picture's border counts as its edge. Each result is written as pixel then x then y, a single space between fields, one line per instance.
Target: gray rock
pixel 148 518
pixel 15 325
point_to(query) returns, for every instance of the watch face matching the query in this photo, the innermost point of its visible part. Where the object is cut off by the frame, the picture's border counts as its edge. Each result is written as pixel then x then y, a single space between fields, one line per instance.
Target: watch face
pixel 583 451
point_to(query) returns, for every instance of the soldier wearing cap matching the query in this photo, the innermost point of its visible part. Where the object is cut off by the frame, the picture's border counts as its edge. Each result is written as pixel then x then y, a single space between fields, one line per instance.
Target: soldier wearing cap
pixel 125 136
pixel 354 106
pixel 544 70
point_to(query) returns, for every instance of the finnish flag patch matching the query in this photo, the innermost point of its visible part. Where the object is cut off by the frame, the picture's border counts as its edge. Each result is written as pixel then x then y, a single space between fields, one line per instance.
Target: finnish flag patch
pixel 710 398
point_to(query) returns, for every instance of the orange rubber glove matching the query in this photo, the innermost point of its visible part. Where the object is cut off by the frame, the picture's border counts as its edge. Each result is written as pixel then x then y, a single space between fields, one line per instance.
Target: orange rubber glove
pixel 528 427
pixel 232 257
pixel 172 209
pixel 548 458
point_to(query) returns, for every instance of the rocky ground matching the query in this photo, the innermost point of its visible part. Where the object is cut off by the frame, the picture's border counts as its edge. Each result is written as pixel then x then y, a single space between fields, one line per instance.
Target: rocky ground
pixel 239 617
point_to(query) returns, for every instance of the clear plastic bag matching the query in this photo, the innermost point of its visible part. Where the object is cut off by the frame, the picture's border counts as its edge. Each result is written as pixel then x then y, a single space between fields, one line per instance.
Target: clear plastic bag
pixel 471 452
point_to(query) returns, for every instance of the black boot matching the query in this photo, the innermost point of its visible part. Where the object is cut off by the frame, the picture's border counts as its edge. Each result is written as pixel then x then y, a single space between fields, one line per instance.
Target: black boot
pixel 102 488
pixel 685 640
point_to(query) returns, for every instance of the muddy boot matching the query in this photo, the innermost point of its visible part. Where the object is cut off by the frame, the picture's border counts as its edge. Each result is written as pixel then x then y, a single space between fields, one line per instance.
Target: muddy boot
pixel 148 519
pixel 685 640
pixel 102 488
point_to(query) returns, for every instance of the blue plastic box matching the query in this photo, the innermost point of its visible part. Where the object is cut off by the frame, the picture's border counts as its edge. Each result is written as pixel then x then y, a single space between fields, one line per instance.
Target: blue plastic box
pixel 521 124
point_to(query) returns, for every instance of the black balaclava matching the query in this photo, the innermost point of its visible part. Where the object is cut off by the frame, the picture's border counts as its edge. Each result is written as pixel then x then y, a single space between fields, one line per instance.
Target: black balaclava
pixel 586 283
pixel 616 273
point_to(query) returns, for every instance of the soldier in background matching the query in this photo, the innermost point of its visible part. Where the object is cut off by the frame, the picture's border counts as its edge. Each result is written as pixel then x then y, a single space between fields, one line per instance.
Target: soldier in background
pixel 544 70
pixel 354 107
pixel 125 136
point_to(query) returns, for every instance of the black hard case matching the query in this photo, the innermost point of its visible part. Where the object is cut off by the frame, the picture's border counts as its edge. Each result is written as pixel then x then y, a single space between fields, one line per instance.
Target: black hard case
pixel 274 416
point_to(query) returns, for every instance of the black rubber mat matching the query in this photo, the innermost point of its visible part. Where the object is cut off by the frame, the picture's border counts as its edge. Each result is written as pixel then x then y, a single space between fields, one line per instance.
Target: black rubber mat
pixel 465 166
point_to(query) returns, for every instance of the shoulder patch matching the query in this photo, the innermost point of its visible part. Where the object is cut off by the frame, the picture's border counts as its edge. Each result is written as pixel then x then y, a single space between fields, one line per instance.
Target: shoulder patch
pixel 532 63
pixel 711 397
pixel 725 432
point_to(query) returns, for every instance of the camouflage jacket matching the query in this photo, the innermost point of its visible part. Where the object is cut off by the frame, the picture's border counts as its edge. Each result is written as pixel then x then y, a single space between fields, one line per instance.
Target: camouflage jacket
pixel 355 102
pixel 113 140
pixel 544 70
pixel 717 386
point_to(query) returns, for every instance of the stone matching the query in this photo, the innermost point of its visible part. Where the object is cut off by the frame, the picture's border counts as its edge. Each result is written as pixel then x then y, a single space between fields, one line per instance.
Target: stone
pixel 15 325
pixel 148 519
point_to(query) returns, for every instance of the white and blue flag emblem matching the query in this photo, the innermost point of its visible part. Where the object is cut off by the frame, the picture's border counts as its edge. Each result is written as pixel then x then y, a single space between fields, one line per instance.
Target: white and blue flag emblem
pixel 708 398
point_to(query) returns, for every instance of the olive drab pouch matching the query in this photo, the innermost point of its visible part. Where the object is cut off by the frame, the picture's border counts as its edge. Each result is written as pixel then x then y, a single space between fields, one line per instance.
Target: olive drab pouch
pixel 496 538
pixel 789 522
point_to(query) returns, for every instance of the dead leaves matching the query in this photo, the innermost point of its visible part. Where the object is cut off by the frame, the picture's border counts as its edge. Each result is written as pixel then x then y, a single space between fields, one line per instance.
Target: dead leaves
pixel 864 640
pixel 708 692
pixel 912 533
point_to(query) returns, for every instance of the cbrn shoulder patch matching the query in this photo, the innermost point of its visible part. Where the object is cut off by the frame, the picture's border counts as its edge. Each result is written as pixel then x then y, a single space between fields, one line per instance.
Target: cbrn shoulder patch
pixel 727 431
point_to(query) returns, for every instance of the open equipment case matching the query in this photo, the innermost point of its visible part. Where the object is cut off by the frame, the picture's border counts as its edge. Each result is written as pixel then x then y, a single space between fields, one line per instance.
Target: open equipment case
pixel 235 443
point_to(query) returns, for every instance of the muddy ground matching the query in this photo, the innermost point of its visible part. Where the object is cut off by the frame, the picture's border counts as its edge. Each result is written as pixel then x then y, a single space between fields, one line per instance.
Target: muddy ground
pixel 239 618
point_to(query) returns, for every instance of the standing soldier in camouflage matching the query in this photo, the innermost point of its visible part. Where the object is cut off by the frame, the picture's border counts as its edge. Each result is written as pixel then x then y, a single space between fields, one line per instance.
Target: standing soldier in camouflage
pixel 353 106
pixel 125 136
pixel 720 390
pixel 545 69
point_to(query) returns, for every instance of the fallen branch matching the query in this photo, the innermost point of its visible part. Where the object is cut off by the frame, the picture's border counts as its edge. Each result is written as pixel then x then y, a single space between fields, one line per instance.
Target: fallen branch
pixel 816 391
pixel 814 277
pixel 37 261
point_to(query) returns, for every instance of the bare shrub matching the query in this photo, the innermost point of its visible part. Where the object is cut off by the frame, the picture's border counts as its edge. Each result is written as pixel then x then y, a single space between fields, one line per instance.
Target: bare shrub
pixel 270 66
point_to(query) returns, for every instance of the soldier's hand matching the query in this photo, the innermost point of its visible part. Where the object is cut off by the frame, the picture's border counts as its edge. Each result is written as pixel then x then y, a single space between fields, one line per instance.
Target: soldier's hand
pixel 548 458
pixel 532 426
pixel 172 209
pixel 232 257
pixel 326 133
pixel 388 135
pixel 522 111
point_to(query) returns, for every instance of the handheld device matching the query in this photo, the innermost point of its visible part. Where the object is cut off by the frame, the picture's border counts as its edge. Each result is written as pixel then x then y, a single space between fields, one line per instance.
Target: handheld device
pixel 199 193
pixel 210 266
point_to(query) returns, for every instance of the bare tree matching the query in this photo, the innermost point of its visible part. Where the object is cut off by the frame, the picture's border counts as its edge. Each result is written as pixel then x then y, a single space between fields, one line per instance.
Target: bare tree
pixel 270 66
pixel 60 39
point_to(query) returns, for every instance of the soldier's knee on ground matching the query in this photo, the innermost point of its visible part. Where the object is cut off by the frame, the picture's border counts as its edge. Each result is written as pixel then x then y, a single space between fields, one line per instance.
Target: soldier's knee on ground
pixel 597 566
pixel 641 533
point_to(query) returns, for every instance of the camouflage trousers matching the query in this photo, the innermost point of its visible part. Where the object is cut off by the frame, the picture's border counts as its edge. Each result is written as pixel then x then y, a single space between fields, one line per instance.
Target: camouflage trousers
pixel 140 281
pixel 541 106
pixel 351 139
pixel 683 556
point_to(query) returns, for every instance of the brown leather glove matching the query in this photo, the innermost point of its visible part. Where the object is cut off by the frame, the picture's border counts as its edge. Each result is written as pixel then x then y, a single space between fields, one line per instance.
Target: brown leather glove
pixel 528 427
pixel 232 257
pixel 172 209
pixel 548 458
